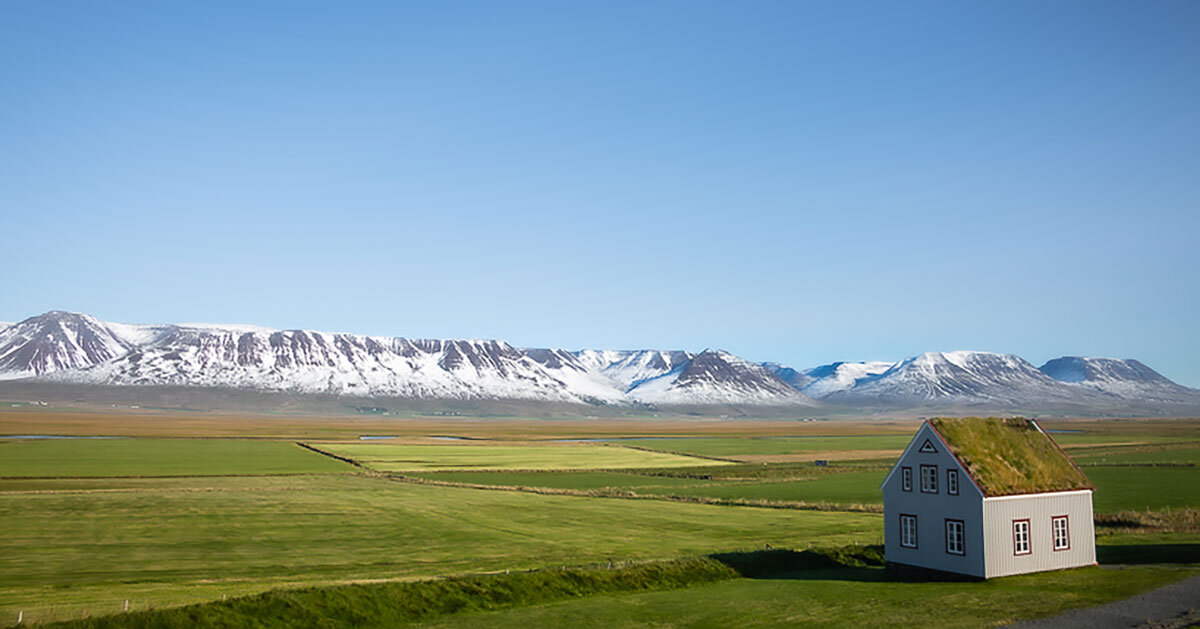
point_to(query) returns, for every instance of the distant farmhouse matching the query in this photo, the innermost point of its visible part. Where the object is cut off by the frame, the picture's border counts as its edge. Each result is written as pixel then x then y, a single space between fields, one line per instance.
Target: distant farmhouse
pixel 987 498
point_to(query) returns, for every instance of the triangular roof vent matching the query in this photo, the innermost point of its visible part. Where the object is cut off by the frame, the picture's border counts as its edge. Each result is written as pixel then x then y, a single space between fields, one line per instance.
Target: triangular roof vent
pixel 928 448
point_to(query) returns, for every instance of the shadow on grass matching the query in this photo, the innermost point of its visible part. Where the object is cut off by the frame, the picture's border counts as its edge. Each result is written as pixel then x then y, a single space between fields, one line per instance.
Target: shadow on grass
pixel 1148 553
pixel 867 564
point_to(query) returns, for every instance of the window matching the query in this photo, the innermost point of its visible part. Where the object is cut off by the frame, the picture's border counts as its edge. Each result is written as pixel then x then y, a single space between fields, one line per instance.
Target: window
pixel 908 530
pixel 1061 532
pixel 956 541
pixel 906 476
pixel 1021 537
pixel 929 479
pixel 952 482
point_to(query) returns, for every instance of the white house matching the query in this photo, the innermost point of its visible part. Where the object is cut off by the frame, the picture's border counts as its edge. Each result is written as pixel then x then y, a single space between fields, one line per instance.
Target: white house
pixel 987 498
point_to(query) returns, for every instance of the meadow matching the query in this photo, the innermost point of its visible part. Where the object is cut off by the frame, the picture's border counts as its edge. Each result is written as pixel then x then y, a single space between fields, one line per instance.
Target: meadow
pixel 557 456
pixel 164 522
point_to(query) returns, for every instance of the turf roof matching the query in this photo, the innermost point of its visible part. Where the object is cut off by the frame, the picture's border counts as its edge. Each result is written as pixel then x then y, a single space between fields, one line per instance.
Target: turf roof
pixel 1009 456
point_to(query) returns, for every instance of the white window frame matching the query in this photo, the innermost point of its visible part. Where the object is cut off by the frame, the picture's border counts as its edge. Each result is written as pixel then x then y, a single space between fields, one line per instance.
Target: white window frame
pixel 929 478
pixel 1060 534
pixel 956 537
pixel 908 534
pixel 1022 544
pixel 952 482
pixel 906 478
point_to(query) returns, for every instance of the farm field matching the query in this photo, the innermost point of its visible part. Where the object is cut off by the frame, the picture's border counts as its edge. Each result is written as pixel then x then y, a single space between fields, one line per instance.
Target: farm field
pixel 157 457
pixel 561 456
pixel 83 549
pixel 163 522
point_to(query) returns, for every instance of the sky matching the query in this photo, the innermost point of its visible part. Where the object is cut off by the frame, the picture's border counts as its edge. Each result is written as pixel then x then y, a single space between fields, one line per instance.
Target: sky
pixel 798 182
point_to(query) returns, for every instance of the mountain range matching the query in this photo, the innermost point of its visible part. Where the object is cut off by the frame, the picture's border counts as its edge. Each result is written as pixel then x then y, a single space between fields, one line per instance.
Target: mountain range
pixel 74 348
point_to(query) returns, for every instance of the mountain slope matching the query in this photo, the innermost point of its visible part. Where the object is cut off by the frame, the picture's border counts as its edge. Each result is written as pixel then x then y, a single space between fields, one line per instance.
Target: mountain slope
pixel 57 341
pixel 819 382
pixel 718 377
pixel 628 368
pixel 1127 379
pixel 964 378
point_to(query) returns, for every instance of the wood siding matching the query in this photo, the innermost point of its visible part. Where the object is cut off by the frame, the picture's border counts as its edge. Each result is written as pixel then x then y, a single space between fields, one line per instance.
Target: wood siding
pixel 1040 509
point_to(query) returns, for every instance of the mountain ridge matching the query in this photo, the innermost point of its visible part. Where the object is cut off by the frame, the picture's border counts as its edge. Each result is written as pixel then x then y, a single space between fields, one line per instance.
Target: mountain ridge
pixel 76 348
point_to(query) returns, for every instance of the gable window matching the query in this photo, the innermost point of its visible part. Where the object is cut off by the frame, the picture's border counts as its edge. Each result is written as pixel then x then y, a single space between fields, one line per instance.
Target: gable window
pixel 956 541
pixel 952 482
pixel 906 478
pixel 1021 544
pixel 908 530
pixel 929 479
pixel 1061 531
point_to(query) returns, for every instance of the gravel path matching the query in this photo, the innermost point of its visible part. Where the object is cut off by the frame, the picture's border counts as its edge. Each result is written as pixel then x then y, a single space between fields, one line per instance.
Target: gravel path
pixel 1168 607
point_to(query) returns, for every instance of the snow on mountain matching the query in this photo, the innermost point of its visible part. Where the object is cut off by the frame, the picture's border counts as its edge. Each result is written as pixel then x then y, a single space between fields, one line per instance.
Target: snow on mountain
pixel 631 367
pixel 77 348
pixel 819 382
pixel 718 377
pixel 1127 379
pixel 578 375
pixel 56 341
pixel 340 364
pixel 961 377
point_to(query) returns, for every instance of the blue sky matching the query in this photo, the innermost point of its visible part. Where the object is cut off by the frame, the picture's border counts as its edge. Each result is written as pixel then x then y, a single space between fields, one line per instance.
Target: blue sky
pixel 800 182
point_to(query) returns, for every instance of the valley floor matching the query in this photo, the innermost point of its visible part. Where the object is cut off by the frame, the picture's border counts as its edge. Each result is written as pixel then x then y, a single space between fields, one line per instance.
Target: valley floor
pixel 163 522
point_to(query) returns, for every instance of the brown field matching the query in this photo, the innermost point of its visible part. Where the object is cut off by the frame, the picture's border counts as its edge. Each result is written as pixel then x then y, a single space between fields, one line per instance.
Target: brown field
pixel 135 423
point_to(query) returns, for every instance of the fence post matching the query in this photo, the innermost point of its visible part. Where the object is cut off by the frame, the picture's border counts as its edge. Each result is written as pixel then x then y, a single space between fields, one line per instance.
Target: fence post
pixel 126 604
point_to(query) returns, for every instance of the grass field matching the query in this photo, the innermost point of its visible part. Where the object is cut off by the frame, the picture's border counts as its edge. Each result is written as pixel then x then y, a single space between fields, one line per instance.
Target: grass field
pixel 158 457
pixel 165 522
pixel 557 456
pixel 82 549
pixel 834 597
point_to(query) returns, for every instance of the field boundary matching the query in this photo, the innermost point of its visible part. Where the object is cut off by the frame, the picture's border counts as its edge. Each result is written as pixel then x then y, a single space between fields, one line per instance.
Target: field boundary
pixel 331 455
pixel 797 505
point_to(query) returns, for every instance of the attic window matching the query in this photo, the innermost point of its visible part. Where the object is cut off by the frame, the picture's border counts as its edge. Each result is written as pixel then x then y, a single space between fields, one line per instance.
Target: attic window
pixel 906 478
pixel 1021 544
pixel 952 482
pixel 928 448
pixel 929 479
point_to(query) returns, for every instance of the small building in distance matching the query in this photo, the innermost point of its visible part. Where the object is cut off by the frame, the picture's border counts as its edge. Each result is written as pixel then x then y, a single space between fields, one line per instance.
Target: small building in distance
pixel 987 498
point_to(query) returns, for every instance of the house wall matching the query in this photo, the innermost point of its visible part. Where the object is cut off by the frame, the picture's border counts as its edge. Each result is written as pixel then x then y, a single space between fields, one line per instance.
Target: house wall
pixel 999 514
pixel 932 510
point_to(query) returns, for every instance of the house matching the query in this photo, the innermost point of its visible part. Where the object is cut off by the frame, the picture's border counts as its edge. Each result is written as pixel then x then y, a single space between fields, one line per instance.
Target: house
pixel 987 498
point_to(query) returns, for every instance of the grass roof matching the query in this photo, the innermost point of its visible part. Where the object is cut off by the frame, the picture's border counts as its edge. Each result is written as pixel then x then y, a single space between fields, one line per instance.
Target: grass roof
pixel 1009 456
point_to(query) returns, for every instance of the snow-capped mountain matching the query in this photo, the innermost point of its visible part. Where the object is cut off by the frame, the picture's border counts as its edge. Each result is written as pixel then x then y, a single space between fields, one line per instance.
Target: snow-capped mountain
pixel 1127 379
pixel 57 341
pixel 717 377
pixel 632 367
pixel 819 382
pixel 963 377
pixel 64 347
pixel 77 348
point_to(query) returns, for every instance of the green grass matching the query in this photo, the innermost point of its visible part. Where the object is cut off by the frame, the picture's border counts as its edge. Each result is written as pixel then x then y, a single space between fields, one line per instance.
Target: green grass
pixel 558 480
pixel 158 457
pixel 841 586
pixel 1009 456
pixel 838 597
pixel 393 458
pixel 1140 456
pixel 86 548
pixel 849 488
pixel 1134 488
pixel 1117 488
